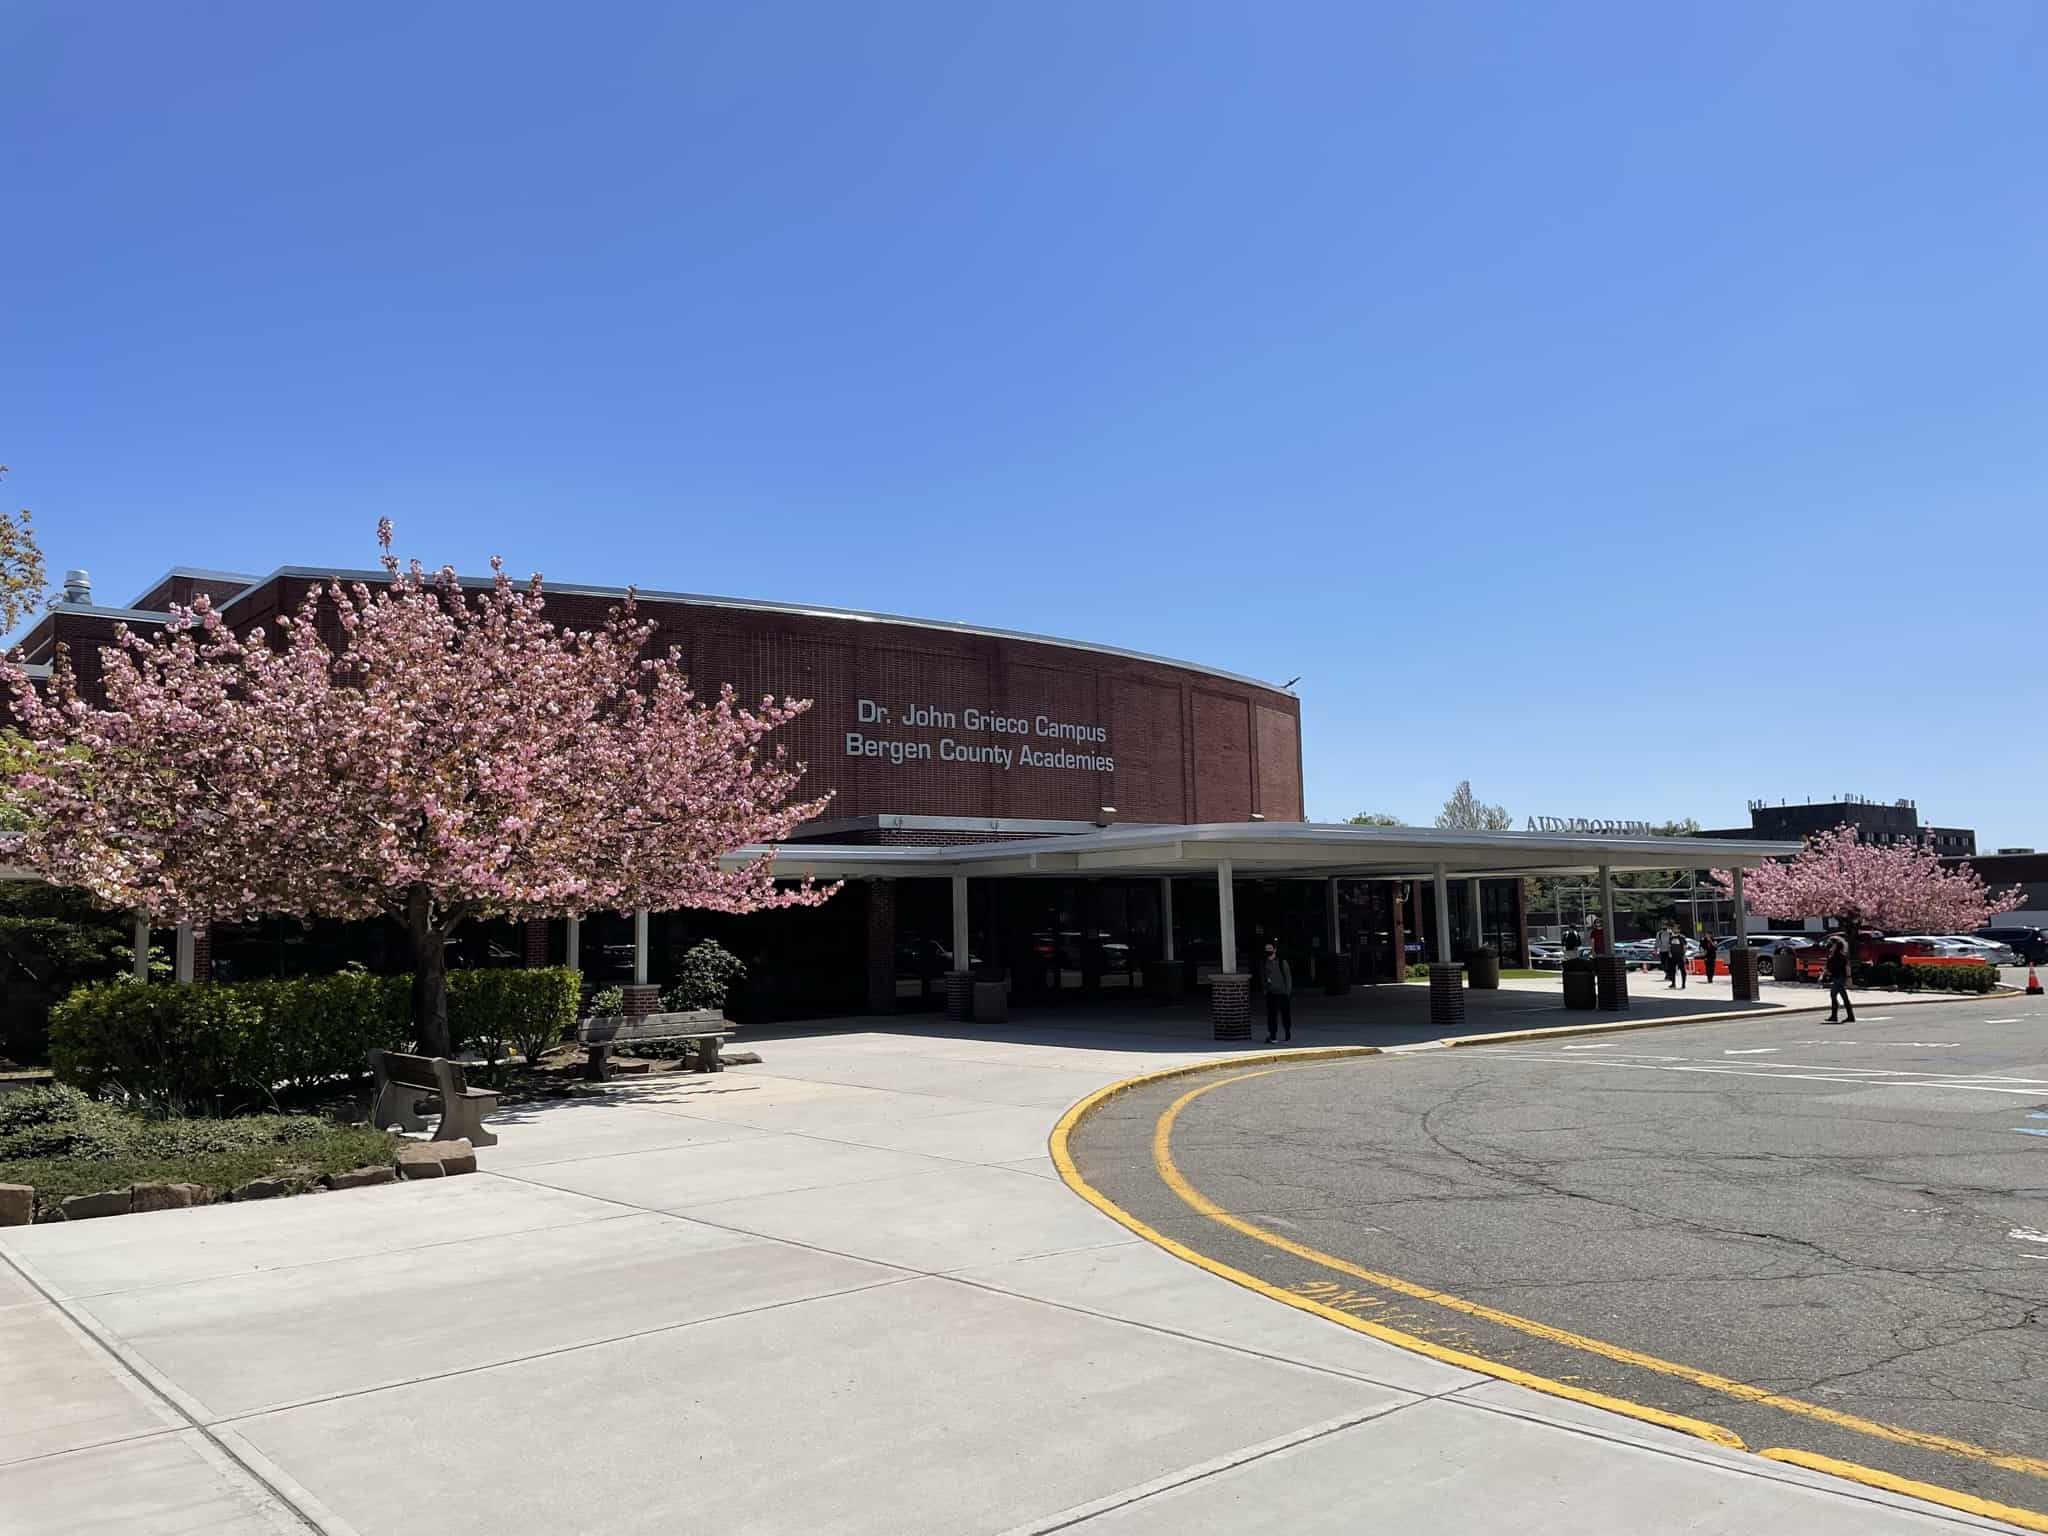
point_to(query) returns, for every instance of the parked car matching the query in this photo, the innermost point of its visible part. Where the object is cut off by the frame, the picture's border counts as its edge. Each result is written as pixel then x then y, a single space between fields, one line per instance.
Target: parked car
pixel 2030 944
pixel 1988 950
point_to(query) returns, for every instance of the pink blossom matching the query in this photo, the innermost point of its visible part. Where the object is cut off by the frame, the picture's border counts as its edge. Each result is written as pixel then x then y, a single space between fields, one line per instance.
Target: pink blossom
pixel 1893 887
pixel 420 752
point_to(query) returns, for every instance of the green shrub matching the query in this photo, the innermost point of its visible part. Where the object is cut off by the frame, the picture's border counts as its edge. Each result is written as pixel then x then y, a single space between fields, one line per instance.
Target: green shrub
pixel 709 973
pixel 216 1048
pixel 200 1048
pixel 39 1105
pixel 532 1009
pixel 606 1003
pixel 1905 976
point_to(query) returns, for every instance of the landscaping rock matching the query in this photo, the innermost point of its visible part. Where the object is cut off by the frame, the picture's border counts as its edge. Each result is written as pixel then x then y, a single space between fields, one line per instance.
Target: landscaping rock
pixel 17 1205
pixel 114 1202
pixel 740 1058
pixel 419 1161
pixel 261 1189
pixel 361 1178
pixel 456 1156
pixel 169 1197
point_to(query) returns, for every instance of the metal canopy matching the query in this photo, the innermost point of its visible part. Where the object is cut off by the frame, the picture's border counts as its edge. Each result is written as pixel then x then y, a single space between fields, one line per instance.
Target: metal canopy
pixel 1269 850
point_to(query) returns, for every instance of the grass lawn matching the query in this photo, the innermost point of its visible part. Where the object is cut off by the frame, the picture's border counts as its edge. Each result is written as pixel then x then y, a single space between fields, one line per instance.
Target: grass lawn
pixel 1517 974
pixel 63 1143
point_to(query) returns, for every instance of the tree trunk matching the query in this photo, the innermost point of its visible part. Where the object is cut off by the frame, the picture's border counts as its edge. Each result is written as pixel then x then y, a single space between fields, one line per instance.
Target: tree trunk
pixel 429 974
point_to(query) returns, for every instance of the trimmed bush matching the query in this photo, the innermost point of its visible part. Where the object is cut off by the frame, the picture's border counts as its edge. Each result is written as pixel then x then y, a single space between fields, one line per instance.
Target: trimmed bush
pixel 531 1009
pixel 709 973
pixel 1908 977
pixel 606 1003
pixel 215 1048
pixel 201 1049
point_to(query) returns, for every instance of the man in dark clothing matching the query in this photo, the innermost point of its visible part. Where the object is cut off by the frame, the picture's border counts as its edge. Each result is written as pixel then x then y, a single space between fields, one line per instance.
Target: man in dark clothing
pixel 1709 948
pixel 1837 966
pixel 1278 979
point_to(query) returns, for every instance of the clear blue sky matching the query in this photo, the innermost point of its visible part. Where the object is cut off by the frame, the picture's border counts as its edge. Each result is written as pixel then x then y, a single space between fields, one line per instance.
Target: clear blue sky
pixel 1472 362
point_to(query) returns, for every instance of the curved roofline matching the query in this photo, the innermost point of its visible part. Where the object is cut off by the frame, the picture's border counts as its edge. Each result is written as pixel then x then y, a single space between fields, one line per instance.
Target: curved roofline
pixel 798 611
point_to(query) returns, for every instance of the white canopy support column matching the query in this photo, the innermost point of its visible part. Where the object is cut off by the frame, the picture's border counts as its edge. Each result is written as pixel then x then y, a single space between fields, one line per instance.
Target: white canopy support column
pixel 963 947
pixel 1226 916
pixel 1607 904
pixel 142 946
pixel 639 946
pixel 185 953
pixel 572 942
pixel 1741 913
pixel 1336 927
pixel 1166 915
pixel 1443 914
pixel 1692 877
pixel 1473 909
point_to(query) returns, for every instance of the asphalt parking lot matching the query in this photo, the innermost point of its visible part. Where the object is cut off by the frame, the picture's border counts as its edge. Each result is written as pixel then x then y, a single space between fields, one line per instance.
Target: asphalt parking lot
pixel 1828 1241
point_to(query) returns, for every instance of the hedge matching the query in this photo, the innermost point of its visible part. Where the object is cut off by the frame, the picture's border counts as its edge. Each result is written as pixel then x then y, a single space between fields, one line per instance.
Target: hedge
pixel 1908 977
pixel 213 1048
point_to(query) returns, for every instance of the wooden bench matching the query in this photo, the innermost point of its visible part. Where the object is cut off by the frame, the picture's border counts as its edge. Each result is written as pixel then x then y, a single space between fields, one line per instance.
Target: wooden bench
pixel 401 1079
pixel 704 1029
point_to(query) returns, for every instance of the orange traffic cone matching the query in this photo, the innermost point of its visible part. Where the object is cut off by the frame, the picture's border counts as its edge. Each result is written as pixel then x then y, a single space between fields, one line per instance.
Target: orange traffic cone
pixel 2033 981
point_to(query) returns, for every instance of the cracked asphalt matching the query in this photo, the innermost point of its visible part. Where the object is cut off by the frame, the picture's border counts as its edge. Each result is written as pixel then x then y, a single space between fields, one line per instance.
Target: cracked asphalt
pixel 1851 1218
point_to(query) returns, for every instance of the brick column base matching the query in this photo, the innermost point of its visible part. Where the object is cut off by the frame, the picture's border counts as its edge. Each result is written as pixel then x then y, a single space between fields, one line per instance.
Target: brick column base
pixel 533 943
pixel 202 952
pixel 1230 1005
pixel 1447 996
pixel 1610 978
pixel 1742 973
pixel 960 996
pixel 641 1000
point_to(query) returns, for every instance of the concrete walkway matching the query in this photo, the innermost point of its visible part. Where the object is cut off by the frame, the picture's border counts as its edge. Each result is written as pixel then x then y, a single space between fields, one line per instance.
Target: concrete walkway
pixel 841 1291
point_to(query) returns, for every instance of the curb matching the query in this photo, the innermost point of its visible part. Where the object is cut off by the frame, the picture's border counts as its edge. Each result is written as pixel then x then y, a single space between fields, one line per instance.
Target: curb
pixel 1619 1026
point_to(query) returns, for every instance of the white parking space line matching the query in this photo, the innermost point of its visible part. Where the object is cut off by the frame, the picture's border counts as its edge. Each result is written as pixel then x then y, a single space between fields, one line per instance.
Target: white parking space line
pixel 2003 1021
pixel 2032 1088
pixel 1760 1050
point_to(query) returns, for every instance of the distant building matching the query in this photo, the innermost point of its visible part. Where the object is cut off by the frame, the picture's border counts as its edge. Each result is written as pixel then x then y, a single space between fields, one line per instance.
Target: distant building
pixel 1875 821
pixel 2009 867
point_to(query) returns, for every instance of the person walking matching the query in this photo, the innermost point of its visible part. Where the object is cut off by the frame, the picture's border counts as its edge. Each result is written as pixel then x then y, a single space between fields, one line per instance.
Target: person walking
pixel 1279 984
pixel 1663 948
pixel 1836 966
pixel 1677 956
pixel 1709 948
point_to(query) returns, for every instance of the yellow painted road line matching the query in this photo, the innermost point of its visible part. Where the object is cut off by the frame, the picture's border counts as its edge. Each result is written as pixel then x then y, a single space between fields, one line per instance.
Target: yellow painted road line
pixel 1934 1493
pixel 1741 1391
pixel 1063 1159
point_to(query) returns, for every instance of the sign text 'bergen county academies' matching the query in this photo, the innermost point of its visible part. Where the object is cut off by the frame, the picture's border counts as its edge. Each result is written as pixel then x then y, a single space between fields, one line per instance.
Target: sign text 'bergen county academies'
pixel 1047 743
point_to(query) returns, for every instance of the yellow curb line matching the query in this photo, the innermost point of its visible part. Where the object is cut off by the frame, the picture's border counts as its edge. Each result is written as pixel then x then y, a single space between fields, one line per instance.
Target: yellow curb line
pixel 1934 1493
pixel 1070 1174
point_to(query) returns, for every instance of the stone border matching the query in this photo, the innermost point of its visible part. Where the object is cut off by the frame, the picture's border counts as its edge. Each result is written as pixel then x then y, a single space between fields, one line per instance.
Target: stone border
pixel 413 1160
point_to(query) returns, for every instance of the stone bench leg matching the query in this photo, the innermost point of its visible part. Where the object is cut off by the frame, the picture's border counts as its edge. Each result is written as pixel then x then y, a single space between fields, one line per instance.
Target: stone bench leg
pixel 707 1056
pixel 597 1063
pixel 463 1118
pixel 396 1104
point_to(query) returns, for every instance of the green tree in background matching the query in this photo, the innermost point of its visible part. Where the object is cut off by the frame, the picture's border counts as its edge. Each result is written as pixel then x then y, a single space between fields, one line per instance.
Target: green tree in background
pixel 1466 812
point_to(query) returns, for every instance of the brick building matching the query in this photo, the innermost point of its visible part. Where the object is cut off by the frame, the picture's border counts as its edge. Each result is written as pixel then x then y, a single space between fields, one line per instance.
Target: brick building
pixel 1085 821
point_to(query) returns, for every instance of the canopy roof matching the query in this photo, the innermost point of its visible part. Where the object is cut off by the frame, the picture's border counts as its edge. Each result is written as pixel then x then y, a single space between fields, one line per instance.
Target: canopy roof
pixel 1271 850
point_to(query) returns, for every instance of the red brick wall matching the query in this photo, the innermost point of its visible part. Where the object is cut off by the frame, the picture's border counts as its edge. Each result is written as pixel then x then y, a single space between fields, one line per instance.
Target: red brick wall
pixel 1187 745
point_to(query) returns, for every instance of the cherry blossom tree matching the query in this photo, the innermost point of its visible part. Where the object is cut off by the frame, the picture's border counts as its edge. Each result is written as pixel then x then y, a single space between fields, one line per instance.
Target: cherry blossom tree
pixel 1893 887
pixel 421 752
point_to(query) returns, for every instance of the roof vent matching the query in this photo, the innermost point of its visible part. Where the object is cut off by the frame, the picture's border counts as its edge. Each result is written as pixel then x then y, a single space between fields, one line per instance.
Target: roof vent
pixel 78 587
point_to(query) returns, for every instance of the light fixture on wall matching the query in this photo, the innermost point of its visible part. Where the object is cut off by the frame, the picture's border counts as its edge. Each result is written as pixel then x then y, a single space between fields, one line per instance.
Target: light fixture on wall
pixel 1258 815
pixel 1104 815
